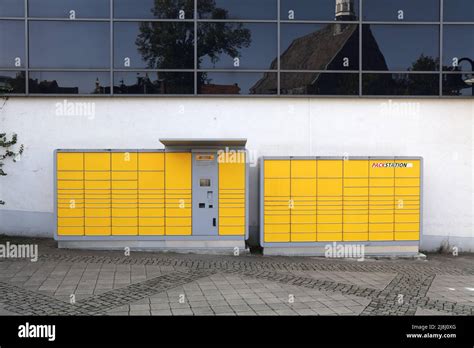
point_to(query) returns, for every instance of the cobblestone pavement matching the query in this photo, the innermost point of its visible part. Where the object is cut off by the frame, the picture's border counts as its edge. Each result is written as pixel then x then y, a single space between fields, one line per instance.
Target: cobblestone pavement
pixel 77 282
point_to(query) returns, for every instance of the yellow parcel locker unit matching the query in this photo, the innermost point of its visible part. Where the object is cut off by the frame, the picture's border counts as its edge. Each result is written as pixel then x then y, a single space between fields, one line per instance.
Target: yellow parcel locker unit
pixel 309 203
pixel 191 195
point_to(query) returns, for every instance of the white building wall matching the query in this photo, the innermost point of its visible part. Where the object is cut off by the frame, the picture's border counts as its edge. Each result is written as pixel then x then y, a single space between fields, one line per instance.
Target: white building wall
pixel 442 131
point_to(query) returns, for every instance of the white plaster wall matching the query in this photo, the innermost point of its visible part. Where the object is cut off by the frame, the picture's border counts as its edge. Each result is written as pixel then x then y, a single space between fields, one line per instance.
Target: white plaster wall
pixel 439 130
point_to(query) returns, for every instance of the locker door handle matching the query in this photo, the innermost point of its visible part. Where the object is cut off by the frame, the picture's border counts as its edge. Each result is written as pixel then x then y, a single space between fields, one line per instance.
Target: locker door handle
pixel 214 222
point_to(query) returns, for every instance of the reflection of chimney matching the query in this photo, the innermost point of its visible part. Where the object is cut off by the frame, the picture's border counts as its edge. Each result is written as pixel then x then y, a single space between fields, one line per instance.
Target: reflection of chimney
pixel 345 10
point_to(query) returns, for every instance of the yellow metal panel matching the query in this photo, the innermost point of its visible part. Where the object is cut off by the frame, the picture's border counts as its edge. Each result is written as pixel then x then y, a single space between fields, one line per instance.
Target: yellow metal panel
pixel 303 228
pixel 277 237
pixel 151 231
pixel 407 236
pixel 329 237
pixel 70 231
pixel 303 168
pixel 151 180
pixel 414 218
pixel 407 227
pixel 98 231
pixel 231 230
pixel 231 211
pixel 352 228
pixel 276 219
pixel 303 237
pixel 381 168
pixel 125 175
pixel 381 218
pixel 97 161
pixel 381 191
pixel 328 228
pixel 70 185
pixel 97 222
pixel 329 218
pixel 154 221
pixel 70 221
pixel 129 185
pixel 407 191
pixel 154 161
pixel 356 191
pixel 70 175
pixel 407 182
pixel 231 221
pixel 303 187
pixel 355 218
pixel 124 212
pixel 182 221
pixel 124 230
pixel 177 212
pixel 231 172
pixel 70 161
pixel 381 236
pixel 124 161
pixel 178 231
pixel 411 168
pixel 354 237
pixel 381 182
pixel 303 219
pixel 277 187
pixel 178 170
pixel 329 168
pixel 381 227
pixel 329 187
pixel 356 168
pixel 92 185
pixel 97 176
pixel 359 182
pixel 97 212
pixel 277 169
pixel 151 212
pixel 277 228
pixel 124 221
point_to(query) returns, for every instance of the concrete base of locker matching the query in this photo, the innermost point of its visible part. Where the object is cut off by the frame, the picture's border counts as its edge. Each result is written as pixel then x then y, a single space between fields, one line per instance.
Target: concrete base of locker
pixel 218 247
pixel 401 251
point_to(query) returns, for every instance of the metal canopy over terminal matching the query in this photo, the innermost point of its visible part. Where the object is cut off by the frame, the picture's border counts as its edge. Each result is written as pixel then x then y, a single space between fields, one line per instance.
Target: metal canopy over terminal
pixel 199 143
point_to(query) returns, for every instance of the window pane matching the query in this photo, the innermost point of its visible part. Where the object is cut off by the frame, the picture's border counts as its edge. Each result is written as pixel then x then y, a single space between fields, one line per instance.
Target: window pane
pixel 237 45
pixel 237 9
pixel 69 44
pixel 400 84
pixel 12 8
pixel 12 82
pixel 69 8
pixel 237 83
pixel 458 84
pixel 12 44
pixel 458 47
pixel 346 10
pixel 153 83
pixel 400 47
pixel 319 46
pixel 319 84
pixel 154 45
pixel 54 82
pixel 401 10
pixel 147 9
pixel 458 10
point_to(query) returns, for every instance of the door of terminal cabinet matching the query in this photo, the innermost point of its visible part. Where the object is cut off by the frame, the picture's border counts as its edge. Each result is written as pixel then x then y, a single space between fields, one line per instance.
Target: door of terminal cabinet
pixel 205 194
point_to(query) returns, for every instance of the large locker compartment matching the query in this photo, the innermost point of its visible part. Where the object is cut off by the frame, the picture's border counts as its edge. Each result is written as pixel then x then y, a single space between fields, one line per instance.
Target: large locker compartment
pixel 188 196
pixel 308 202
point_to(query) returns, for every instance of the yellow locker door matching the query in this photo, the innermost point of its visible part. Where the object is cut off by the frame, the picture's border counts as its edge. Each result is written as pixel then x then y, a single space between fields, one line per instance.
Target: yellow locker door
pixel 303 196
pixel 329 200
pixel 124 193
pixel 277 201
pixel 356 200
pixel 178 193
pixel 151 193
pixel 381 199
pixel 232 193
pixel 70 193
pixel 97 193
pixel 407 199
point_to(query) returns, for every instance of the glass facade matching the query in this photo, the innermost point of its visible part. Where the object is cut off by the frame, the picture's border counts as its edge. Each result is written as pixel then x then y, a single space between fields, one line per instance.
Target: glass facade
pixel 237 47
